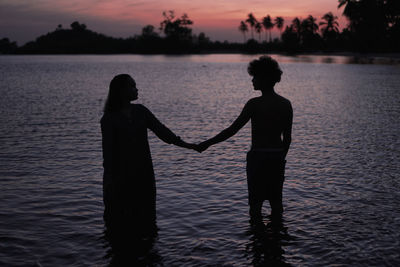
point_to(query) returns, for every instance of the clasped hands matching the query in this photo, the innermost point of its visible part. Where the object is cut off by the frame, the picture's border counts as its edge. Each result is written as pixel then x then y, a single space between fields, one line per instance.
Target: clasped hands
pixel 198 147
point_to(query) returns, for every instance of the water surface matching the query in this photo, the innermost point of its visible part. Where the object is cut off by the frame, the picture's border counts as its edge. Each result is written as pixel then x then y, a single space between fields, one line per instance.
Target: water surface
pixel 341 194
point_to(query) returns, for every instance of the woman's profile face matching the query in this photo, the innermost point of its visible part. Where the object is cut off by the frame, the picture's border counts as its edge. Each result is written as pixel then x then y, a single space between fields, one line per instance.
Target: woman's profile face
pixel 132 91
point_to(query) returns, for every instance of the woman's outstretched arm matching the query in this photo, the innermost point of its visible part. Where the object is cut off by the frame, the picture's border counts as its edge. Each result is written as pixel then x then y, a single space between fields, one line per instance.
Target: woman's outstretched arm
pixel 162 132
pixel 182 143
pixel 240 121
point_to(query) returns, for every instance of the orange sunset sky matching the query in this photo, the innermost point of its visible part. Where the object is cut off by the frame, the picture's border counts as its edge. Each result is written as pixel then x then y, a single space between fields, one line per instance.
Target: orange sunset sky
pixel 24 20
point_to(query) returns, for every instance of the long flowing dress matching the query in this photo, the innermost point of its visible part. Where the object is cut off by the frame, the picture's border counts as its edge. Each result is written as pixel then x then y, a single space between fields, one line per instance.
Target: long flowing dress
pixel 129 189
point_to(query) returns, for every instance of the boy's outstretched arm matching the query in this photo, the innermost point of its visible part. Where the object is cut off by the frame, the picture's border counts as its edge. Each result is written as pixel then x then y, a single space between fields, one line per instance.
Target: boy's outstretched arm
pixel 240 121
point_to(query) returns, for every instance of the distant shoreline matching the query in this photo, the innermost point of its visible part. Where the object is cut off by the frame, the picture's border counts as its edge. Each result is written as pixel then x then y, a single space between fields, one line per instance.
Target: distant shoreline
pixel 344 54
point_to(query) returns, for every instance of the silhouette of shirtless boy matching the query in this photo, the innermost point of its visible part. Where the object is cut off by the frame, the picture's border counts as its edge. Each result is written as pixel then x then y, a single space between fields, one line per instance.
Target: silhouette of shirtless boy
pixel 271 118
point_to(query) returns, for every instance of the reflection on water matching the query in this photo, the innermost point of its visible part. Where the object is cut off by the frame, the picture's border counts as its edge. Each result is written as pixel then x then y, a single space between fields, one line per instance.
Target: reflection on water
pixel 352 59
pixel 267 243
pixel 126 246
pixel 129 241
pixel 316 59
pixel 209 58
pixel 340 195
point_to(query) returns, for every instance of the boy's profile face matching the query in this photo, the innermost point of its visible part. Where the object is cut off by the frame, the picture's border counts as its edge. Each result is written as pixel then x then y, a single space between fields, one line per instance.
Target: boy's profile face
pixel 260 82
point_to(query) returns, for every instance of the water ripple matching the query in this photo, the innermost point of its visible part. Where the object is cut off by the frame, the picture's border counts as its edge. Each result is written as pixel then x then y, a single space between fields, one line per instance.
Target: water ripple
pixel 341 190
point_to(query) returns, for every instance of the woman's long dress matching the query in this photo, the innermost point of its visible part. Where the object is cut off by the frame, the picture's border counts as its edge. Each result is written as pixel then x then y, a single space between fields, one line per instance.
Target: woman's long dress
pixel 129 190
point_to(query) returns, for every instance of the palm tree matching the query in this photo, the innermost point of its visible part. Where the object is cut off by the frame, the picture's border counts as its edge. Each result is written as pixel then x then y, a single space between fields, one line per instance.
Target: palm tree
pixel 351 11
pixel 296 25
pixel 252 21
pixel 329 24
pixel 329 29
pixel 268 25
pixel 279 22
pixel 243 29
pixel 308 33
pixel 258 27
pixel 349 6
pixel 310 24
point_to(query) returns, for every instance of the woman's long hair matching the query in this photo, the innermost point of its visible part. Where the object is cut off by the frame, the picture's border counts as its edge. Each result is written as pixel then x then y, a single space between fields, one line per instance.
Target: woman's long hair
pixel 116 94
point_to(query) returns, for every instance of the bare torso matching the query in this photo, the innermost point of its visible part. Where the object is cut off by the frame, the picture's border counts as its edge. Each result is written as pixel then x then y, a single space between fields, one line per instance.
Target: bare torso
pixel 271 122
pixel 270 118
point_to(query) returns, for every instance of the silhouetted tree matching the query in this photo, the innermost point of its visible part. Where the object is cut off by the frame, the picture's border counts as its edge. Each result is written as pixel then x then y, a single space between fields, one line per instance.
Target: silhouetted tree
pixel 329 23
pixel 291 39
pixel 368 22
pixel 77 40
pixel 7 47
pixel 149 41
pixel 329 29
pixel 176 28
pixel 252 46
pixel 258 28
pixel 76 26
pixel 392 12
pixel 309 25
pixel 279 22
pixel 148 31
pixel 178 35
pixel 268 25
pixel 252 21
pixel 374 25
pixel 308 33
pixel 243 29
pixel 202 41
pixel 296 25
pixel 203 38
pixel 350 10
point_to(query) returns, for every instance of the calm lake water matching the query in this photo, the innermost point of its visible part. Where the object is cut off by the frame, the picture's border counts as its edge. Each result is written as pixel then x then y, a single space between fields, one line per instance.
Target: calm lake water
pixel 341 193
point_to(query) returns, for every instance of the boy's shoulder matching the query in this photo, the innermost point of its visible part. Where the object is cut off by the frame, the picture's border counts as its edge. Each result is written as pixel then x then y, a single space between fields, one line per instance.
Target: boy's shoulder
pixel 279 99
pixel 284 100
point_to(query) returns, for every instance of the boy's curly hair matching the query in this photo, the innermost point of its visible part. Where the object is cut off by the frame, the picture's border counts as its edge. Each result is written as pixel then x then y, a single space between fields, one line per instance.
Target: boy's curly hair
pixel 265 66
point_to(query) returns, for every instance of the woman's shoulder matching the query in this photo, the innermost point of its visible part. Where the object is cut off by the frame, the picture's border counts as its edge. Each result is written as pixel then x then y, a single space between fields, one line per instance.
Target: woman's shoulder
pixel 253 100
pixel 139 108
pixel 141 112
pixel 107 120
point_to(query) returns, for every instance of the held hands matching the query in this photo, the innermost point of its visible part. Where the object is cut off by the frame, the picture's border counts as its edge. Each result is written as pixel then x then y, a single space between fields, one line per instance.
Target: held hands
pixel 201 147
pixel 198 147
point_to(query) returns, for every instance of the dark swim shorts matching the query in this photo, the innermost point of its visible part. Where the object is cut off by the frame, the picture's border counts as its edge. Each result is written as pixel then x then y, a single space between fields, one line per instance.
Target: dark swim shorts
pixel 265 174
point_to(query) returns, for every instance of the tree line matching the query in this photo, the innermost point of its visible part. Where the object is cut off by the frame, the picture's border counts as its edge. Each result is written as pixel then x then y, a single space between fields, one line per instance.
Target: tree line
pixel 301 35
pixel 373 26
pixel 174 35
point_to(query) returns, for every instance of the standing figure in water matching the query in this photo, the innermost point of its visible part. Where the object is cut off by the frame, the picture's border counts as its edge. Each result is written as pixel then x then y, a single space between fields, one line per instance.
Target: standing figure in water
pixel 271 127
pixel 129 189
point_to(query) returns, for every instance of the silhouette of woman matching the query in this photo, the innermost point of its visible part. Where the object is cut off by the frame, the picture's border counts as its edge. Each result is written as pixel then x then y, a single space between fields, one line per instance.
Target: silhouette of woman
pixel 271 124
pixel 129 190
